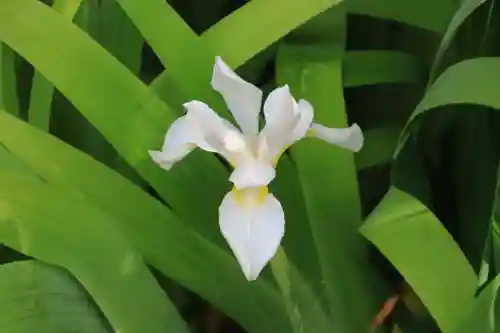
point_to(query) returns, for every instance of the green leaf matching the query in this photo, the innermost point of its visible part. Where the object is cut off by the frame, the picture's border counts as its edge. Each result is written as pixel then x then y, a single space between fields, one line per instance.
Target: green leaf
pixel 379 67
pixel 42 91
pixel 36 297
pixel 426 14
pixel 165 242
pixel 64 229
pixel 467 7
pixel 481 317
pixel 303 305
pixel 421 249
pixel 8 81
pixel 449 89
pixel 276 18
pixel 327 175
pixel 124 110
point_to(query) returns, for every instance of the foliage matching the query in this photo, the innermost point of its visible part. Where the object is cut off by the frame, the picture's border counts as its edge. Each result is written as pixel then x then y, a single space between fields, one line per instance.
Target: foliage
pixel 114 243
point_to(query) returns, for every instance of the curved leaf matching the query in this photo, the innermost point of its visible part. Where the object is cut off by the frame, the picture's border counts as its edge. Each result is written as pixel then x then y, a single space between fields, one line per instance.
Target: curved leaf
pixel 62 228
pixel 421 249
pixel 163 240
pixel 449 89
pixel 327 176
pixel 425 14
pixel 35 297
pixel 481 317
pixel 129 115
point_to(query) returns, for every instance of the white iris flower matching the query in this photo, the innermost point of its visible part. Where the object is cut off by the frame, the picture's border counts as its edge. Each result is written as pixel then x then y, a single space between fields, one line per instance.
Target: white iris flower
pixel 250 218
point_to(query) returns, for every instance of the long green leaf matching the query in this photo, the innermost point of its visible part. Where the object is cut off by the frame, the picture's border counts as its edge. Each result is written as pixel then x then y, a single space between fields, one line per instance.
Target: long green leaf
pixel 124 110
pixel 464 11
pixel 421 249
pixel 8 81
pixel 426 14
pixel 42 91
pixel 163 240
pixel 328 178
pixel 36 297
pixel 449 89
pixel 62 228
pixel 276 19
pixel 481 317
pixel 378 67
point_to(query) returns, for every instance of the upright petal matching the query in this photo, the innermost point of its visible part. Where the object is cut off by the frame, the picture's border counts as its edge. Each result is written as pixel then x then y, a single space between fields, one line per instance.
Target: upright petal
pixel 282 117
pixel 350 138
pixel 243 98
pixel 214 133
pixel 306 117
pixel 253 223
pixel 252 173
pixel 177 144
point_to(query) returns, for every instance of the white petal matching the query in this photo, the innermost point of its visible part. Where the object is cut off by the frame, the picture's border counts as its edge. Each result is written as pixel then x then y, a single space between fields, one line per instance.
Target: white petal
pixel 176 146
pixel 214 133
pixel 252 173
pixel 350 138
pixel 305 121
pixel 282 117
pixel 253 223
pixel 243 98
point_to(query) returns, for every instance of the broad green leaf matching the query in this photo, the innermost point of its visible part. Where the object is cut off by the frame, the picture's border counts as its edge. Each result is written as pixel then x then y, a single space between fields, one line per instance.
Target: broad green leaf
pixel 186 58
pixel 8 81
pixel 426 14
pixel 42 90
pixel 379 67
pixel 164 241
pixel 35 297
pixel 421 249
pixel 304 307
pixel 117 34
pixel 64 229
pixel 481 317
pixel 450 89
pixel 327 175
pixel 467 7
pixel 124 110
pixel 275 18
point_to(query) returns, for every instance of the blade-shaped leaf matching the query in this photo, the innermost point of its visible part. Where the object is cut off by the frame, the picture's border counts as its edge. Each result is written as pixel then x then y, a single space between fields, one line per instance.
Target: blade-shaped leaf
pixel 421 249
pixel 328 178
pixel 42 91
pixel 124 110
pixel 36 297
pixel 481 317
pixel 62 228
pixel 163 240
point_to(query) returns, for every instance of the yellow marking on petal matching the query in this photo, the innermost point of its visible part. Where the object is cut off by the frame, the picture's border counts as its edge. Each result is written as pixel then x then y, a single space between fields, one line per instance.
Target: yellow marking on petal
pixel 311 132
pixel 250 197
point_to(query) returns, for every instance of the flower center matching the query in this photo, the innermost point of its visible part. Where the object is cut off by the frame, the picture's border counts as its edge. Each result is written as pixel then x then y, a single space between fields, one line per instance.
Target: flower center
pixel 250 197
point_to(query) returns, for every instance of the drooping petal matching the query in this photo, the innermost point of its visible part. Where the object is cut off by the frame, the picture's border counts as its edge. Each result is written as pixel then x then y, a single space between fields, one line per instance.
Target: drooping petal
pixel 177 144
pixel 252 173
pixel 253 223
pixel 243 98
pixel 282 117
pixel 351 137
pixel 214 133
